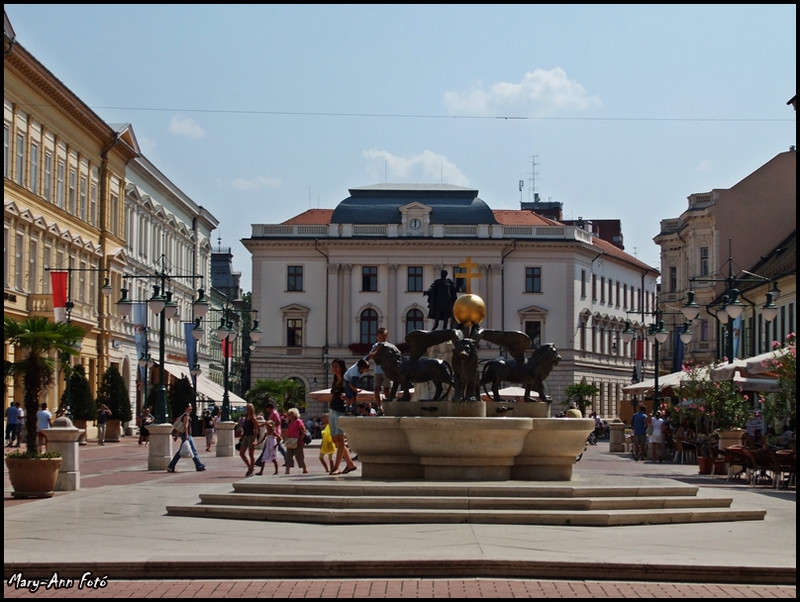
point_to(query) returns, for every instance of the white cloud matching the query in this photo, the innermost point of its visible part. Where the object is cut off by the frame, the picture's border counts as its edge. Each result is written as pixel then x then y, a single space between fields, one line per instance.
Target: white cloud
pixel 704 165
pixel 186 127
pixel 540 93
pixel 425 167
pixel 257 183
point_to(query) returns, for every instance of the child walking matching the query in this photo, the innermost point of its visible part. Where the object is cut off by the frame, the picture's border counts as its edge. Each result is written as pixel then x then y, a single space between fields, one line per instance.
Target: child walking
pixel 270 451
pixel 327 447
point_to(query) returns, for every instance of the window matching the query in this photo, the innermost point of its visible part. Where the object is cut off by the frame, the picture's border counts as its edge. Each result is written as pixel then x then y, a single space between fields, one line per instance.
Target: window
pixel 583 284
pixel 115 214
pixel 33 270
pixel 610 291
pixel 20 175
pixel 625 296
pixel 369 326
pixel 533 280
pixel 414 279
pixel 35 169
pixel 369 278
pixel 673 279
pixel 93 205
pixel 294 278
pixel 533 328
pixel 415 320
pixel 62 170
pixel 294 332
pixel 20 267
pixel 72 183
pixel 83 207
pixel 6 134
pixel 459 280
pixel 617 294
pixel 594 287
pixel 704 267
pixel 48 176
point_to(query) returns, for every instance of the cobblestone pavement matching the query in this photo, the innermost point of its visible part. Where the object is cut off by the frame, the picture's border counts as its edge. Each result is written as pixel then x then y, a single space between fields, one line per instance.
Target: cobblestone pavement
pixel 117 465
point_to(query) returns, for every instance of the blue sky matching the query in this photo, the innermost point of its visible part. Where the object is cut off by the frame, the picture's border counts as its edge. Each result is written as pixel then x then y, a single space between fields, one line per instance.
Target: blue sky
pixel 261 112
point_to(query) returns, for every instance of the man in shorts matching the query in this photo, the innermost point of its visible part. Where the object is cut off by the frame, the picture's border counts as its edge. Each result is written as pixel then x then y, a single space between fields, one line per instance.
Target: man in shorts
pixel 639 425
pixel 352 385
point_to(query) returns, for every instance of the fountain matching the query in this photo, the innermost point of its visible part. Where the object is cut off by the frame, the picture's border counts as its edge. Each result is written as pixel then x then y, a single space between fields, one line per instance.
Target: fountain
pixel 453 439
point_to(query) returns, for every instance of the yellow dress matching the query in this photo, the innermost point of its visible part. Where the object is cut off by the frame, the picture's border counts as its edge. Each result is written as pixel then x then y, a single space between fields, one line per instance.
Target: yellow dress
pixel 327 446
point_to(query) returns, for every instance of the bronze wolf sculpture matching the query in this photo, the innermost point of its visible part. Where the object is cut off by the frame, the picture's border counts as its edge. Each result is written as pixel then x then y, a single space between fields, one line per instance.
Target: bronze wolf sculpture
pixel 531 374
pixel 403 372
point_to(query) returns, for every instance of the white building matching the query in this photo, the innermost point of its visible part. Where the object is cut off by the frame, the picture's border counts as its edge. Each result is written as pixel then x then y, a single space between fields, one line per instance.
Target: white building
pixel 325 280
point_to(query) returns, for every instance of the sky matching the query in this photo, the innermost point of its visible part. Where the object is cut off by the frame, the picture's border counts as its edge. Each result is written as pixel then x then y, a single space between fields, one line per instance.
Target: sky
pixel 261 112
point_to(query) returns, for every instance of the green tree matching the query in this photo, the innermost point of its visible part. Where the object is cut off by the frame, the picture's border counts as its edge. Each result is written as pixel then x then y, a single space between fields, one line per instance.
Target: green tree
pixel 179 394
pixel 284 394
pixel 36 340
pixel 114 394
pixel 81 400
pixel 581 393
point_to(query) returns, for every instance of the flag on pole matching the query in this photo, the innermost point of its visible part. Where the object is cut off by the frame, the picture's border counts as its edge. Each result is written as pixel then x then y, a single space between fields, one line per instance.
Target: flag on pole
pixel 58 280
pixel 227 351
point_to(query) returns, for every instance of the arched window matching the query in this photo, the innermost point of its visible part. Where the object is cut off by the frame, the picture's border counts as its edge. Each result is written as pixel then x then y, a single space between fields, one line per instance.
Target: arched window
pixel 415 320
pixel 369 326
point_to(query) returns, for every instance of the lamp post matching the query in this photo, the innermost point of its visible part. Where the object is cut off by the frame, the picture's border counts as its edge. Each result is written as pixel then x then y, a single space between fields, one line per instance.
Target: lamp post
pixel 165 308
pixel 69 306
pixel 657 335
pixel 730 307
pixel 226 333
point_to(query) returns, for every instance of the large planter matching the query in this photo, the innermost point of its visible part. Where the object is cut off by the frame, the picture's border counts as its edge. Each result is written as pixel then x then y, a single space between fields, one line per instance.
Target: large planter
pixel 113 430
pixel 33 477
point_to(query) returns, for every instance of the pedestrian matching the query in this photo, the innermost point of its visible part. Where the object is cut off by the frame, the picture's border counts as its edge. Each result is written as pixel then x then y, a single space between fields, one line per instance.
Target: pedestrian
pixel 352 386
pixel 327 447
pixel 183 430
pixel 639 425
pixel 44 420
pixel 574 411
pixel 102 420
pixel 20 422
pixel 270 413
pixel 247 443
pixel 336 411
pixel 381 382
pixel 144 423
pixel 209 428
pixel 270 451
pixel 656 429
pixel 293 439
pixel 11 423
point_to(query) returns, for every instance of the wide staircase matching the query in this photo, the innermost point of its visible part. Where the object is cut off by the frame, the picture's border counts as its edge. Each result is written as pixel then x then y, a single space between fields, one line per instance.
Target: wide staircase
pixel 355 501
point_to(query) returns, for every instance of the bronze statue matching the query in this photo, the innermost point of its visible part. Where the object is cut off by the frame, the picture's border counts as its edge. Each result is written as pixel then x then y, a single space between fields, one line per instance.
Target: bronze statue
pixel 441 296
pixel 403 371
pixel 531 373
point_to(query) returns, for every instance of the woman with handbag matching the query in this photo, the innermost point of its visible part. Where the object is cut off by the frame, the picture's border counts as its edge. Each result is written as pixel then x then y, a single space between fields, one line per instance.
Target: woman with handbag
pixel 294 440
pixel 336 410
pixel 183 429
pixel 247 443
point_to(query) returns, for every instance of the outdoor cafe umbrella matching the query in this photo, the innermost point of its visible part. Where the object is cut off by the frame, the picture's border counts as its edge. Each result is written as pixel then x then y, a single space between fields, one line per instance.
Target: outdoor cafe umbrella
pixel 667 381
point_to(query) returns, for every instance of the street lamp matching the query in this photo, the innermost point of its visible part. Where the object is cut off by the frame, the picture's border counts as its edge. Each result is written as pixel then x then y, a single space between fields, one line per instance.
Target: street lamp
pixel 657 335
pixel 62 286
pixel 227 333
pixel 162 305
pixel 730 307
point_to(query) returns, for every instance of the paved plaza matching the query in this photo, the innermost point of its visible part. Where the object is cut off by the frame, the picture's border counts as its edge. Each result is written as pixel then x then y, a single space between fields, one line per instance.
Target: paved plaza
pixel 115 531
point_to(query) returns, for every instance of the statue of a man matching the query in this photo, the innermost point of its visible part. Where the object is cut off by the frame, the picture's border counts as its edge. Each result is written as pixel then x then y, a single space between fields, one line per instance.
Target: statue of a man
pixel 441 296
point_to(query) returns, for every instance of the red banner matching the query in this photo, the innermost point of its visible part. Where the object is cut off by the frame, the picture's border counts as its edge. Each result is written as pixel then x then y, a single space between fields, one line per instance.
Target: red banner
pixel 58 280
pixel 227 348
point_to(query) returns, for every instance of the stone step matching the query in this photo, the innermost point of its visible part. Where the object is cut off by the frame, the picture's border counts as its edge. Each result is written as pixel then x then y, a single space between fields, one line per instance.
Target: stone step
pixel 343 516
pixel 365 502
pixel 354 501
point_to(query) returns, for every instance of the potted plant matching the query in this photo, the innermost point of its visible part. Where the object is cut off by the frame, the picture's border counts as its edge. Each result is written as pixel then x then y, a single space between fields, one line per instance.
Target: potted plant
pixel 80 401
pixel 114 394
pixel 719 408
pixel 581 393
pixel 35 341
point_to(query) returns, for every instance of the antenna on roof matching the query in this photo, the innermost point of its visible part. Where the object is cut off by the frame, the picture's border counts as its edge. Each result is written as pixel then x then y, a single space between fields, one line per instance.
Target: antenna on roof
pixel 533 178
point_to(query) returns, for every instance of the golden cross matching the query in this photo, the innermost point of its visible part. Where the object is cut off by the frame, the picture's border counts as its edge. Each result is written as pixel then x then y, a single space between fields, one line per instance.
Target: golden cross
pixel 467 274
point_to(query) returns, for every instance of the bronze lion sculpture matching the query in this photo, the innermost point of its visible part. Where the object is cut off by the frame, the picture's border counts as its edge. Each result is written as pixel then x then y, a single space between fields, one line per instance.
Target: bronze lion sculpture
pixel 530 373
pixel 403 372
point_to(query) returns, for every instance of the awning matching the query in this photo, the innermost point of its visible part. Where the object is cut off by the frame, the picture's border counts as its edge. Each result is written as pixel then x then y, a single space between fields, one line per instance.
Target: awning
pixel 749 366
pixel 666 381
pixel 760 385
pixel 207 389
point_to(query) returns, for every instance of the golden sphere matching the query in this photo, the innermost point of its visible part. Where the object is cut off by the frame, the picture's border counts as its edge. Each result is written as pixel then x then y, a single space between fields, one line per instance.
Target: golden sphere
pixel 469 310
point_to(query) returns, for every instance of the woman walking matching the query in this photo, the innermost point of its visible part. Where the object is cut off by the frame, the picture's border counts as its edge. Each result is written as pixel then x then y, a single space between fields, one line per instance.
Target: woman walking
pixel 247 443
